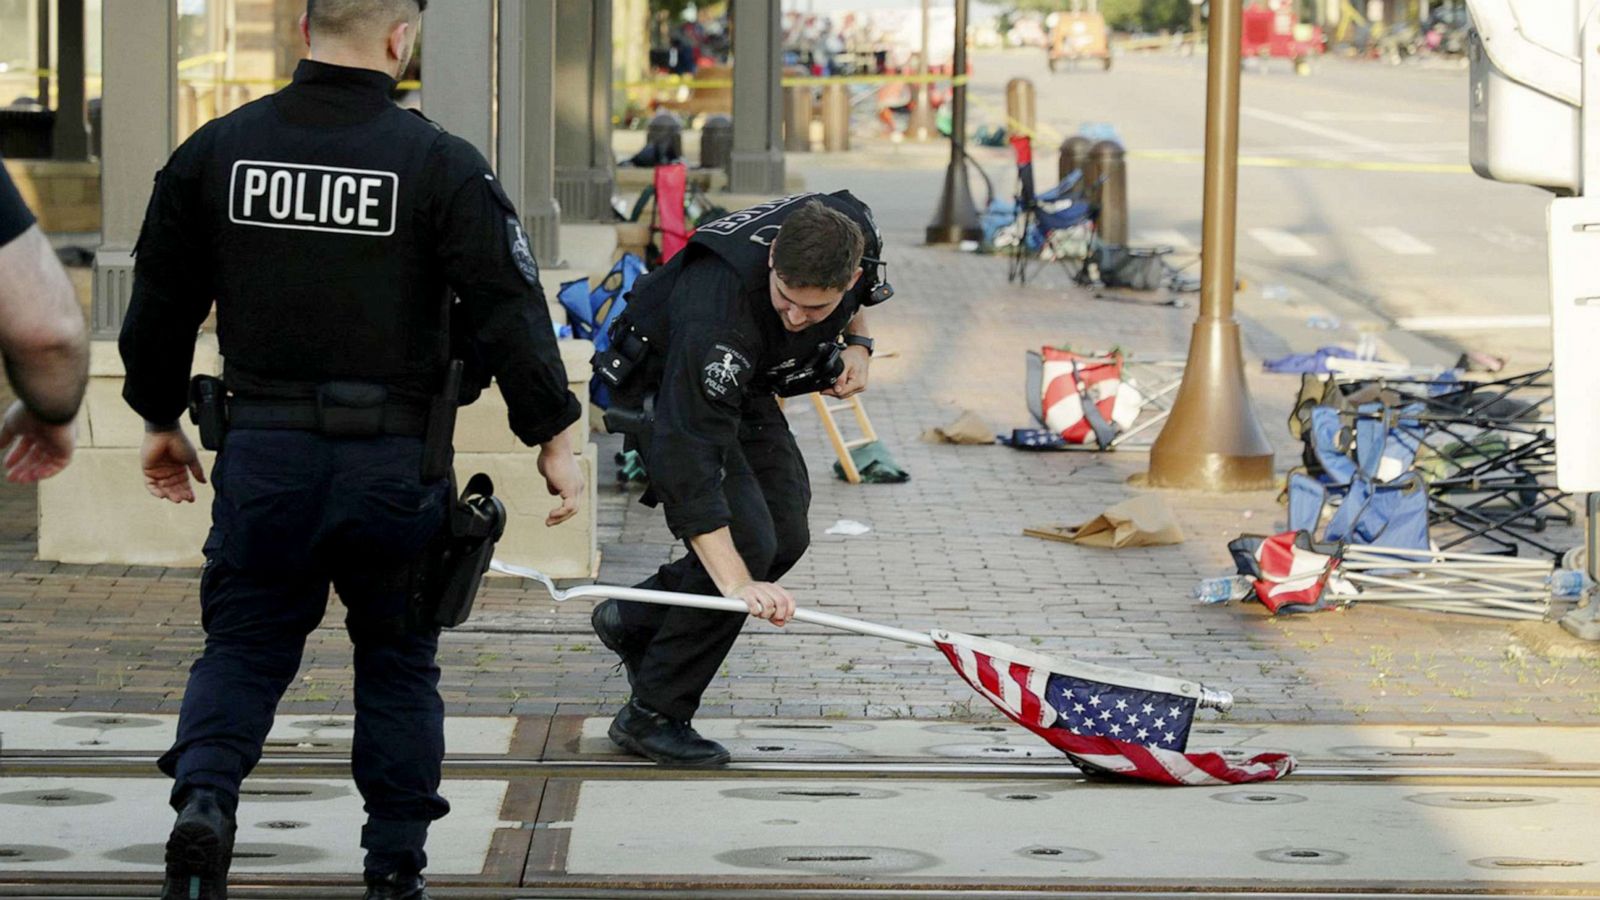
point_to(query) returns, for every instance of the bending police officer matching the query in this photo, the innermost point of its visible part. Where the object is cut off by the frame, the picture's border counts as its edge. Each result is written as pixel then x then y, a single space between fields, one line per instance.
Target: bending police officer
pixel 329 226
pixel 754 308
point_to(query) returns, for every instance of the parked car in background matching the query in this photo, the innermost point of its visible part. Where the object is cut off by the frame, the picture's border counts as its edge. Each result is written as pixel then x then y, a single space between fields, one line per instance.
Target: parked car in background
pixel 1077 36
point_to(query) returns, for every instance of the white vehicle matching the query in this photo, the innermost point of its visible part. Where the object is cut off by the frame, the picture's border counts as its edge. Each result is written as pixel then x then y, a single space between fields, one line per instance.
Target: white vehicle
pixel 1533 63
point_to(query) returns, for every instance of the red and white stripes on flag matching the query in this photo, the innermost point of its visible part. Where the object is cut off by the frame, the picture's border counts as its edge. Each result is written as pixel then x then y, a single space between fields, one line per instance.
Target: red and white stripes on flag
pixel 1294 575
pixel 1071 378
pixel 1070 705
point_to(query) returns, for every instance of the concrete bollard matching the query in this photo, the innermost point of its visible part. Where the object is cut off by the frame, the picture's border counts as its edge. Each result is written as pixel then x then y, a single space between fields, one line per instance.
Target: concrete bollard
pixel 716 142
pixel 1110 163
pixel 1074 155
pixel 836 118
pixel 1020 114
pixel 666 132
pixel 797 111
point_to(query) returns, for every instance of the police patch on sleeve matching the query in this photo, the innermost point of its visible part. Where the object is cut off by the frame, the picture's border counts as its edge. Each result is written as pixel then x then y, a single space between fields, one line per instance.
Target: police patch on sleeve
pixel 522 251
pixel 725 373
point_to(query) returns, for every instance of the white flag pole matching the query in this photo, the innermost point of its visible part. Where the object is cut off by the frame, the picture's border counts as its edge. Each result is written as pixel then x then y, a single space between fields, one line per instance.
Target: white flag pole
pixel 1206 698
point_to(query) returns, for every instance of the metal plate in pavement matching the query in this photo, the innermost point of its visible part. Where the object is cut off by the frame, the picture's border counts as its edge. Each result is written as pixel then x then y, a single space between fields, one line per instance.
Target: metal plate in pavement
pixel 113 830
pixel 1367 746
pixel 1296 837
pixel 100 734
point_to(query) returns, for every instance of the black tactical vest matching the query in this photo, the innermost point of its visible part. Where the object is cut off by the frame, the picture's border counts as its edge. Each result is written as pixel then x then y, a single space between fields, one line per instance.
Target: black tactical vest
pixel 743 240
pixel 322 264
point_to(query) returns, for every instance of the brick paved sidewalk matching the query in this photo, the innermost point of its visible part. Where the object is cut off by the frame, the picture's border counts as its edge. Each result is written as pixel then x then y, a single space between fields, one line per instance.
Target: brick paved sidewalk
pixel 945 550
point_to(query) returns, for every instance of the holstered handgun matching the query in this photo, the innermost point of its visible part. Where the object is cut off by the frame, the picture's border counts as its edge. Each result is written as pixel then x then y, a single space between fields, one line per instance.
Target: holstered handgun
pixel 454 564
pixel 208 409
pixel 635 421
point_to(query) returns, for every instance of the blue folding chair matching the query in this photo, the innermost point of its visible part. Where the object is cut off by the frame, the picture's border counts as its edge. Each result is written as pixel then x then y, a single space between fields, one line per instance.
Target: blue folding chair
pixel 592 312
pixel 1064 206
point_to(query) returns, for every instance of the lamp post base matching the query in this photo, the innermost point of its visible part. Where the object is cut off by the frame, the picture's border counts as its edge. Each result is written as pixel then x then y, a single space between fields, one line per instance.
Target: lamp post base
pixel 957 217
pixel 1212 441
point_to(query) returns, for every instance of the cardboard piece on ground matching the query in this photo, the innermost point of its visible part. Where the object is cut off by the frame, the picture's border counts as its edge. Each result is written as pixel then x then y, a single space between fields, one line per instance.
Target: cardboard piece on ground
pixel 970 428
pixel 1141 522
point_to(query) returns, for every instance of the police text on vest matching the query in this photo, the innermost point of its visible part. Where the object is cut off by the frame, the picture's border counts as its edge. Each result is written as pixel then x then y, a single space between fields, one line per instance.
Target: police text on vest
pixel 313 198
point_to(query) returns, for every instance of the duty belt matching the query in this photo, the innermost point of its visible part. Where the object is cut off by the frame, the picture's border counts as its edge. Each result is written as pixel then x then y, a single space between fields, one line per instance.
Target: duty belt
pixel 402 419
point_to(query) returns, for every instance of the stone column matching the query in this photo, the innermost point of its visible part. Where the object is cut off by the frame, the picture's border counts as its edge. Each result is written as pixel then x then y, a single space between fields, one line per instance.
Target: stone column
pixel 527 121
pixel 458 89
pixel 584 177
pixel 41 26
pixel 71 129
pixel 138 115
pixel 757 162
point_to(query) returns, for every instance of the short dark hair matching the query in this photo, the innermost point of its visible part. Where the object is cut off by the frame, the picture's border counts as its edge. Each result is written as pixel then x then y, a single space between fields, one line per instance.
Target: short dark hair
pixel 818 247
pixel 341 17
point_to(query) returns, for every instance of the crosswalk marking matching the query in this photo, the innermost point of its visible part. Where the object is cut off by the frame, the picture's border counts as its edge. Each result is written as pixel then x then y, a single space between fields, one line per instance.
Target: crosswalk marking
pixel 1472 323
pixel 1397 241
pixel 1169 237
pixel 1389 238
pixel 1282 243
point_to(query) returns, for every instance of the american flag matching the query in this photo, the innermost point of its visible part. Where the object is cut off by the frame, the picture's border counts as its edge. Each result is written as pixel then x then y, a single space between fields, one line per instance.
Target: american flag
pixel 1104 720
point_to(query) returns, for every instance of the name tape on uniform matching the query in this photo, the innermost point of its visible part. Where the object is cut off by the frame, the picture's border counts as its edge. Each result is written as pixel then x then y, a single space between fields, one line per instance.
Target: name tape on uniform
pixel 313 198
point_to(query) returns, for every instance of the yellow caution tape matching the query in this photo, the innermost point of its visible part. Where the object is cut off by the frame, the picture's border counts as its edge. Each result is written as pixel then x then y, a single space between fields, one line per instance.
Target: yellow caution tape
pixel 689 81
pixel 1014 126
pixel 184 65
pixel 203 59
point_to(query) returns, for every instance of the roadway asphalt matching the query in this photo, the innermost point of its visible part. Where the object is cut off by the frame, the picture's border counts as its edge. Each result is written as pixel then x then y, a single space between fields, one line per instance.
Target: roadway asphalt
pixel 1356 201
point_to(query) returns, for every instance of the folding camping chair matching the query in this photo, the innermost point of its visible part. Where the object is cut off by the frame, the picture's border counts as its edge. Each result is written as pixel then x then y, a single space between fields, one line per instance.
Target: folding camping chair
pixel 1101 402
pixel 1485 449
pixel 1069 205
pixel 591 313
pixel 667 198
pixel 1392 513
pixel 669 221
pixel 1490 482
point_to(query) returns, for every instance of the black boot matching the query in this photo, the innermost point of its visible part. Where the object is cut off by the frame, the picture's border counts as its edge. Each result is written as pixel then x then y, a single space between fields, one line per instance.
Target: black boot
pixel 200 848
pixel 395 886
pixel 607 622
pixel 671 742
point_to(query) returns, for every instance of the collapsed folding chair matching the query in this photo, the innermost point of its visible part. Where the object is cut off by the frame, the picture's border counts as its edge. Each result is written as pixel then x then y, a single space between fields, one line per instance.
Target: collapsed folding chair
pixel 1391 513
pixel 1485 448
pixel 1497 587
pixel 1101 402
pixel 591 313
pixel 1058 224
pixel 1523 401
pixel 1291 573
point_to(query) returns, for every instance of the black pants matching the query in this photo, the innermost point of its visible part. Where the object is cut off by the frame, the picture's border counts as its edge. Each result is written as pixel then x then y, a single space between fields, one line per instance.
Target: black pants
pixel 769 494
pixel 295 512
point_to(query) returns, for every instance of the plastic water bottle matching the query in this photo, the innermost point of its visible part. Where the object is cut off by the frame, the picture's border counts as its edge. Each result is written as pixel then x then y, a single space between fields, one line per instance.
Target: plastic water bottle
pixel 1221 590
pixel 1568 583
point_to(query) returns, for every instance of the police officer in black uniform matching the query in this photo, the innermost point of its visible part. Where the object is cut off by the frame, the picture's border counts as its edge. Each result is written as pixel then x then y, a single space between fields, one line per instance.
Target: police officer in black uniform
pixel 764 302
pixel 329 227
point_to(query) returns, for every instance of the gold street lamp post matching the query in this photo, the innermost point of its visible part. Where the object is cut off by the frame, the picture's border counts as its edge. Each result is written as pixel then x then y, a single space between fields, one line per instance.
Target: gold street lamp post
pixel 1212 440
